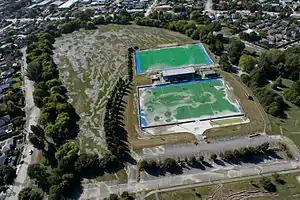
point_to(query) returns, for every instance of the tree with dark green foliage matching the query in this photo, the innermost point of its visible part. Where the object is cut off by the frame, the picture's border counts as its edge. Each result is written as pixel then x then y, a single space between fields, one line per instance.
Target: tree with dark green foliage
pixel 153 164
pixel 126 196
pixel 31 193
pixel 192 160
pixel 90 25
pixel 267 184
pixel 201 158
pixel 247 63
pixel 87 164
pixel 38 173
pixel 38 96
pixel 224 63
pixel 246 79
pixel 36 141
pixel 292 94
pixel 277 178
pixel 143 165
pixel 217 47
pixel 213 157
pixel 99 20
pixel 33 71
pixel 235 49
pixel 169 163
pixel 7 175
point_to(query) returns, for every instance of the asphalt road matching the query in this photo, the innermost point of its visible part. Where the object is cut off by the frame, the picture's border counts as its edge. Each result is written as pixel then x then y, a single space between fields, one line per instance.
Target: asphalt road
pixel 32 116
pixel 208 6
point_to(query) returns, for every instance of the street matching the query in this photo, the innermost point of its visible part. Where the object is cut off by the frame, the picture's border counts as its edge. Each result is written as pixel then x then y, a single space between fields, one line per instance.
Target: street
pixel 149 9
pixel 32 116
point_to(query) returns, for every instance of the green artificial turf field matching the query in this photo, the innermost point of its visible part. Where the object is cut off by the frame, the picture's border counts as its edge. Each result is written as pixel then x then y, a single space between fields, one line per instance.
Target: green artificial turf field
pixel 171 57
pixel 184 101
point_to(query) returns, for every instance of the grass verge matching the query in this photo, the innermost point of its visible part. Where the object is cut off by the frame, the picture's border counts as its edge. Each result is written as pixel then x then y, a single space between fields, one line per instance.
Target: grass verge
pixel 174 138
pixel 249 189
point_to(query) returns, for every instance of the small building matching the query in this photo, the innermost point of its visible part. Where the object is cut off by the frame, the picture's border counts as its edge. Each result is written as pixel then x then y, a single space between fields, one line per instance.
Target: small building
pixel 163 8
pixel 208 74
pixel 132 11
pixel 180 74
pixel 154 78
pixel 211 15
pixel 68 4
pixel 4 120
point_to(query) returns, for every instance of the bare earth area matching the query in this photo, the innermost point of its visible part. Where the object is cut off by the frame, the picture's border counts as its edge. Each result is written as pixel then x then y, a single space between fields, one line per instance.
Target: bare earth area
pixel 90 62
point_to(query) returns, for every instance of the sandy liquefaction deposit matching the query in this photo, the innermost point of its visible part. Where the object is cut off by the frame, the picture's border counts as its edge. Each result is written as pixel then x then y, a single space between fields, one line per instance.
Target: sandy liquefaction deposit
pixel 90 62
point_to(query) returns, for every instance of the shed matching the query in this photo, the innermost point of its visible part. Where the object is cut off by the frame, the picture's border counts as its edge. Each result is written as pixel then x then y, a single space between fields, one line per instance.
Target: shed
pixel 208 74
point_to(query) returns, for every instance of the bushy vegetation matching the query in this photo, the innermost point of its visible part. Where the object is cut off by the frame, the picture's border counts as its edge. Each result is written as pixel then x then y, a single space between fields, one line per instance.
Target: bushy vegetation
pixel 31 193
pixel 7 175
pixel 124 196
pixel 293 94
pixel 274 65
pixel 244 152
pixel 283 147
pixel 62 166
pixel 198 27
pixel 130 63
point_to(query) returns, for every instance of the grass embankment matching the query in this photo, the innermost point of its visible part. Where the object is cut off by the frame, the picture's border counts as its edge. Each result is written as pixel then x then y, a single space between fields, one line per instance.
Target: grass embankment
pixel 288 126
pixel 174 138
pixel 246 189
pixel 226 121
pixel 120 176
pixel 252 109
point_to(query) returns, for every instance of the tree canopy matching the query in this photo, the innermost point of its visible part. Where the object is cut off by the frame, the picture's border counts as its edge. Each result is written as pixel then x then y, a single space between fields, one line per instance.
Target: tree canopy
pixel 30 193
pixel 235 49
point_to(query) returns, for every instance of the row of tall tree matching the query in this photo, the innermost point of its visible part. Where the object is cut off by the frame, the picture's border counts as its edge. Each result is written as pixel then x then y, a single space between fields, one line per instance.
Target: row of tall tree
pixel 115 134
pixel 57 124
pixel 244 152
pixel 130 64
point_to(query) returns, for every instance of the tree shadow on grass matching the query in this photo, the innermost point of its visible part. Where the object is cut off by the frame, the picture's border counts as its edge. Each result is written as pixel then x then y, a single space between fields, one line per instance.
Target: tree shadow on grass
pixel 156 172
pixel 256 159
pixel 207 164
pixel 220 162
pixel 197 165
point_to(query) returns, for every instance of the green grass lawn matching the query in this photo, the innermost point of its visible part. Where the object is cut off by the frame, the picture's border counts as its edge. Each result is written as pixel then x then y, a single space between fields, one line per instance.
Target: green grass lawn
pixel 227 31
pixel 288 126
pixel 290 190
pixel 226 121
pixel 121 176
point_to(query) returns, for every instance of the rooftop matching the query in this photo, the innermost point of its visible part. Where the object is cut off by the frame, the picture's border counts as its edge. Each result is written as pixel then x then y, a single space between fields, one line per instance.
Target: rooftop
pixel 209 72
pixel 68 4
pixel 179 71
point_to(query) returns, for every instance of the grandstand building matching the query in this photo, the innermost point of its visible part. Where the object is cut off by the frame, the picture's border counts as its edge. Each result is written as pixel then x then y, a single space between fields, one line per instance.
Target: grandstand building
pixel 180 74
